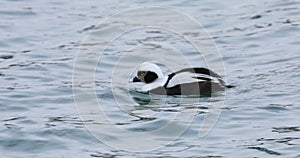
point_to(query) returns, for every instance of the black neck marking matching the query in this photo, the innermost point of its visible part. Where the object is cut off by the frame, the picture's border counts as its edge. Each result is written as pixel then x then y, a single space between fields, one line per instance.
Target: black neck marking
pixel 169 78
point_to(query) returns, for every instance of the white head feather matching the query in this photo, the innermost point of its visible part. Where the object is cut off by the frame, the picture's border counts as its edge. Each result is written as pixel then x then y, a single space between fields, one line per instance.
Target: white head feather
pixel 147 66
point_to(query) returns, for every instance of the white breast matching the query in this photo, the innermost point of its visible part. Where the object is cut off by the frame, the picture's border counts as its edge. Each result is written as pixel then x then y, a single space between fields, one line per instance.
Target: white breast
pixel 189 77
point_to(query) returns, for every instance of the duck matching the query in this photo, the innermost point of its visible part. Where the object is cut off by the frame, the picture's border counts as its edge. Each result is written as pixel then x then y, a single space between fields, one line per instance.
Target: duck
pixel 188 81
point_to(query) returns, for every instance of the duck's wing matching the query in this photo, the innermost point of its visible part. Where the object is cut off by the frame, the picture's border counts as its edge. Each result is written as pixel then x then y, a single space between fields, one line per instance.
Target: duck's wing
pixel 203 71
pixel 192 75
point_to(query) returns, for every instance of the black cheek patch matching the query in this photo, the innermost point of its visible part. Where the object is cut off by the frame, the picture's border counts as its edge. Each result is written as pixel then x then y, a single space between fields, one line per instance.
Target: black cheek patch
pixel 150 77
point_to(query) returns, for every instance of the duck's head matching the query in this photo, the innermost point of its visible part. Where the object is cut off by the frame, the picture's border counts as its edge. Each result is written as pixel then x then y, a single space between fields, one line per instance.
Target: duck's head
pixel 148 72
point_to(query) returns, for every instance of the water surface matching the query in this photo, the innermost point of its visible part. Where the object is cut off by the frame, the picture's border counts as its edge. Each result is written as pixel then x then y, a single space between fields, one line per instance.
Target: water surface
pixel 259 43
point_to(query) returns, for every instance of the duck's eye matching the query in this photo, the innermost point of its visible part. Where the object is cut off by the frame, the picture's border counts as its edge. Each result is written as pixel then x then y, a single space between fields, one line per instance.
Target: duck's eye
pixel 142 73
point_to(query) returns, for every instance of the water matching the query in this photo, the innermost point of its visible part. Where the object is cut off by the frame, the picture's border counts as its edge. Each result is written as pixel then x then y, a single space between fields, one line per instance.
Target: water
pixel 259 43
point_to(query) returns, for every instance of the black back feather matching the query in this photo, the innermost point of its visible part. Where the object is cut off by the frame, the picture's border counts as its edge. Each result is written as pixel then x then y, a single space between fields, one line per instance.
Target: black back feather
pixel 204 71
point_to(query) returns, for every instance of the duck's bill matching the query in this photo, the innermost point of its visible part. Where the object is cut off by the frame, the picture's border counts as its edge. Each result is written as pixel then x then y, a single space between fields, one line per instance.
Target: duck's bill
pixel 135 79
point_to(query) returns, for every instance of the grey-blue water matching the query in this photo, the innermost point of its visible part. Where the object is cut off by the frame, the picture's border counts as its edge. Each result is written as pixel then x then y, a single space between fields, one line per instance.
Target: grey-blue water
pixel 260 46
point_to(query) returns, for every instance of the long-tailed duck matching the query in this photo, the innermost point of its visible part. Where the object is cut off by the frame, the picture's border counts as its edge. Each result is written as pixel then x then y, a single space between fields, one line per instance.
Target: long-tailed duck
pixel 189 81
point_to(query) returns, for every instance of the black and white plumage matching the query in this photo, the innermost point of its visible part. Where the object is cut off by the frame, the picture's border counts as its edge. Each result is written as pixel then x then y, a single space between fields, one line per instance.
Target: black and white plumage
pixel 189 81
